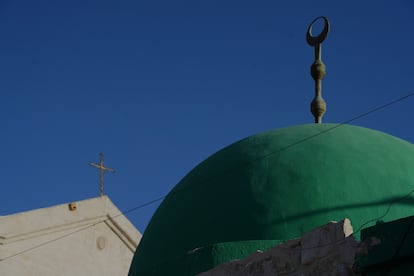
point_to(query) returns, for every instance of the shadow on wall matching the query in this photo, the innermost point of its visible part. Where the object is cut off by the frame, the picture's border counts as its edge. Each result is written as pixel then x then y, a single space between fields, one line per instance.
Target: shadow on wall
pixel 390 201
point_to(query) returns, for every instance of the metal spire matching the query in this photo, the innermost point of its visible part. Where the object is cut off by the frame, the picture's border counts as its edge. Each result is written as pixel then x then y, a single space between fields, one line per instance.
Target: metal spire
pixel 318 70
pixel 102 170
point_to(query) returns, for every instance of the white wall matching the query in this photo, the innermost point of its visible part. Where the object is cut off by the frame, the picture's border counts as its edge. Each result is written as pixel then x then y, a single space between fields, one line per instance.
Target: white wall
pixel 80 242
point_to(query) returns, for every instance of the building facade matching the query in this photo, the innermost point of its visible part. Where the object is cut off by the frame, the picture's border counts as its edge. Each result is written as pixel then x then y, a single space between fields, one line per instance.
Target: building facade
pixel 89 237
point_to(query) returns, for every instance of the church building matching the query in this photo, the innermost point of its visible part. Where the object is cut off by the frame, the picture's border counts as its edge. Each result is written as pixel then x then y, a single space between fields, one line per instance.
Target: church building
pixel 311 199
pixel 88 237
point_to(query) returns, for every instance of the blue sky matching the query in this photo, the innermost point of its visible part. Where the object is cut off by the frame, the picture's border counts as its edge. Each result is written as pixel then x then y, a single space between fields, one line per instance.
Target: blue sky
pixel 158 86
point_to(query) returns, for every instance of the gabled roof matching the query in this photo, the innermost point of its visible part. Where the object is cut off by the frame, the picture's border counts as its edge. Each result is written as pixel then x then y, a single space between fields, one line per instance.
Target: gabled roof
pixel 56 240
pixel 86 213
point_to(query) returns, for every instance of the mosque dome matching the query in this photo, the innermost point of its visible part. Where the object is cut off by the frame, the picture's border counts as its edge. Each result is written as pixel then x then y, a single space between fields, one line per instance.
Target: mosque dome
pixel 275 186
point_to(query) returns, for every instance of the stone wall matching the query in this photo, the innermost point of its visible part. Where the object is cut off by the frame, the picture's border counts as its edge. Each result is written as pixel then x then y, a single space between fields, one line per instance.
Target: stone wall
pixel 327 250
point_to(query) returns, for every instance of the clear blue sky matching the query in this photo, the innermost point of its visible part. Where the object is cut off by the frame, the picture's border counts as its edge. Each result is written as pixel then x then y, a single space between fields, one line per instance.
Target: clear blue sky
pixel 158 86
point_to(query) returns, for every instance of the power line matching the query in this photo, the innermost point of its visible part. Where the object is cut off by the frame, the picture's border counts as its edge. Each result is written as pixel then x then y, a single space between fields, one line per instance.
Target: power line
pixel 362 225
pixel 280 245
pixel 52 240
pixel 238 166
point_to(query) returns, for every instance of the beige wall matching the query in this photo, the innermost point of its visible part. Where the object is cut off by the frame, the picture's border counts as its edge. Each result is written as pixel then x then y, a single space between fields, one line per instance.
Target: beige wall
pixel 80 242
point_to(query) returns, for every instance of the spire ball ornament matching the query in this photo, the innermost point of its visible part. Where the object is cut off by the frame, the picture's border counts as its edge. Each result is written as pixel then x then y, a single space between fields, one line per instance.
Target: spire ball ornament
pixel 318 69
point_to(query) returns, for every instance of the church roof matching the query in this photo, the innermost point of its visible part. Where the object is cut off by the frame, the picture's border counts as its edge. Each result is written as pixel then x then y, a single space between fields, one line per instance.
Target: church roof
pixel 276 186
pixel 88 237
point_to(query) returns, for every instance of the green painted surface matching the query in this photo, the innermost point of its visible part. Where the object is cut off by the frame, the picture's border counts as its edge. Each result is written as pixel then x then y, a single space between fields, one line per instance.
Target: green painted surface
pixel 278 185
pixel 394 253
pixel 202 259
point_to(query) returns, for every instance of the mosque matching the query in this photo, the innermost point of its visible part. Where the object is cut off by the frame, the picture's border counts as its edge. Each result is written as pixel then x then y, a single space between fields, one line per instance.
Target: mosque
pixel 265 202
pixel 278 185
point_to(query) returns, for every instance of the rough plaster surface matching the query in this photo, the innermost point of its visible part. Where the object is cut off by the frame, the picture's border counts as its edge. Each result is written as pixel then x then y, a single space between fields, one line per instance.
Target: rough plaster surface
pixel 57 241
pixel 327 250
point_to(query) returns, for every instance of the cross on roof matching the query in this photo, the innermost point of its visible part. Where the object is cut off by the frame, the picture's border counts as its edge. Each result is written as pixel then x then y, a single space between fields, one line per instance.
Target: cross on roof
pixel 102 170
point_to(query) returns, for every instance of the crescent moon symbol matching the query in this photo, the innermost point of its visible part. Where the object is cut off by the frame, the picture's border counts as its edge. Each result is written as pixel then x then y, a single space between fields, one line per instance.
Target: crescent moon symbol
pixel 314 40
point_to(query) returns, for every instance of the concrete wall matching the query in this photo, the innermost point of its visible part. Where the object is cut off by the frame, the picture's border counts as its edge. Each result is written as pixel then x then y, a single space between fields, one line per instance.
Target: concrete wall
pixel 60 241
pixel 326 250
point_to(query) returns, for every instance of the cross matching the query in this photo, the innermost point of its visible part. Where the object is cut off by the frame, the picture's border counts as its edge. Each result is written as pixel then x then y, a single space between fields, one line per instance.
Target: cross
pixel 102 170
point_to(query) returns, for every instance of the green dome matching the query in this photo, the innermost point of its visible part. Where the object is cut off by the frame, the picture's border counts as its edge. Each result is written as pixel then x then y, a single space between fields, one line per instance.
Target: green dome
pixel 275 186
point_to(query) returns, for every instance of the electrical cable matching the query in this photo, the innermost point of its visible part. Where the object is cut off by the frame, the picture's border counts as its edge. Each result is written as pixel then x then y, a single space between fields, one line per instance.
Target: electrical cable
pixel 240 165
